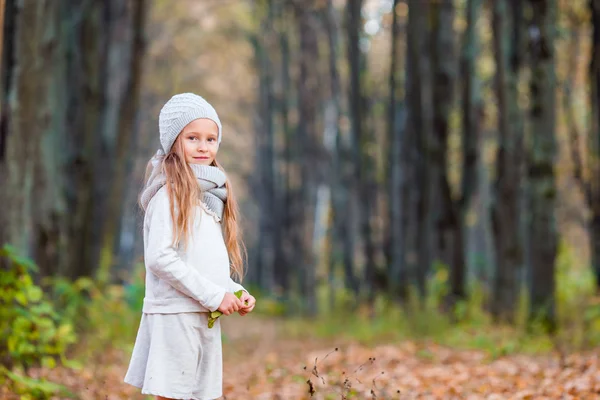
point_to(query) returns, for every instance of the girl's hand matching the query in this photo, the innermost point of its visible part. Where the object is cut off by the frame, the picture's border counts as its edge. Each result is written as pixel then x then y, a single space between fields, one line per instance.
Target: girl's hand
pixel 230 304
pixel 245 309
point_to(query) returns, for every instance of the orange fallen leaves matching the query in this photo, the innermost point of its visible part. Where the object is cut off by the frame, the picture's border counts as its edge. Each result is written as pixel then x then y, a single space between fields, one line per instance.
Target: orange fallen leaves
pixel 262 364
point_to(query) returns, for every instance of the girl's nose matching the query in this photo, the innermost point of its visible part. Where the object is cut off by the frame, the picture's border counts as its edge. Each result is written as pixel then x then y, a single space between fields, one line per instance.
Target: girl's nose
pixel 202 145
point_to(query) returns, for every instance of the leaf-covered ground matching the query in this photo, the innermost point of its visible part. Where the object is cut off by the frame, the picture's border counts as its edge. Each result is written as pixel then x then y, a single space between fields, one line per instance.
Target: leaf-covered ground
pixel 260 363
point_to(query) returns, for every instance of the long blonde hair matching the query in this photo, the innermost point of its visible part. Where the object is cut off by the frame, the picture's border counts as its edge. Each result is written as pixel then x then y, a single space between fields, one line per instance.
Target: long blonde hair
pixel 183 188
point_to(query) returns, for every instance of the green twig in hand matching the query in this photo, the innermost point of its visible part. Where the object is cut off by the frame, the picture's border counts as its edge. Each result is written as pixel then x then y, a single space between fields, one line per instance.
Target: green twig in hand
pixel 214 315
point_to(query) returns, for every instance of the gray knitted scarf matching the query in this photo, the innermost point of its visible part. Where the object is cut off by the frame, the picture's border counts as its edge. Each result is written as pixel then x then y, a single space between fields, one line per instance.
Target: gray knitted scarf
pixel 210 179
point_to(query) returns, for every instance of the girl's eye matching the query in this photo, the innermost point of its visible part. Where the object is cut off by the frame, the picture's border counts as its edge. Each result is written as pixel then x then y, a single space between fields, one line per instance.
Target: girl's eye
pixel 193 138
pixel 211 139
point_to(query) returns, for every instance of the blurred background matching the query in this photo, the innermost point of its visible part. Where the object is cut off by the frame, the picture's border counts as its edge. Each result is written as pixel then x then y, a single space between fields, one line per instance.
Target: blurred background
pixel 408 170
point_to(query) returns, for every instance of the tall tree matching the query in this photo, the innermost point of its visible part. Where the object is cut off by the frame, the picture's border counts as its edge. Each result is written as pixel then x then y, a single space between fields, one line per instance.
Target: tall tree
pixel 450 221
pixel 593 187
pixel 541 159
pixel 284 100
pixel 508 26
pixel 354 177
pixel 342 249
pixel 265 186
pixel 126 132
pixel 396 131
pixel 472 113
pixel 421 186
pixel 364 172
pixel 310 142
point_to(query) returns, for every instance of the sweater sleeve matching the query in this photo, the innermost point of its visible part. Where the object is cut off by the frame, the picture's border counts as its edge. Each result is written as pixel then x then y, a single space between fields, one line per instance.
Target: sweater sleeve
pixel 163 260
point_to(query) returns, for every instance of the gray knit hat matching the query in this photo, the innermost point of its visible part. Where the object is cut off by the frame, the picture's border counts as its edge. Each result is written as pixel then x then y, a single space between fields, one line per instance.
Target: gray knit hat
pixel 179 111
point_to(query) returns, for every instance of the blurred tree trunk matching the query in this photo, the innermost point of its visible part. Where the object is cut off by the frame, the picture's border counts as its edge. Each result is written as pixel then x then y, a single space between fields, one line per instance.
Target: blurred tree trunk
pixel 593 193
pixel 6 157
pixel 365 189
pixel 396 254
pixel 265 148
pixel 542 156
pixel 3 22
pixel 86 54
pixel 450 218
pixel 586 163
pixel 126 132
pixel 283 244
pixel 508 26
pixel 411 189
pixel 354 159
pixel 341 251
pixel 472 114
pixel 295 201
pixel 422 187
pixel 310 141
pixel 19 138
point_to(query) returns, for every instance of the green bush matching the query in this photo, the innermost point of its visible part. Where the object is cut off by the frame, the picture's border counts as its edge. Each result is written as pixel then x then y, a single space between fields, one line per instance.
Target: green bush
pixel 469 323
pixel 32 332
pixel 108 314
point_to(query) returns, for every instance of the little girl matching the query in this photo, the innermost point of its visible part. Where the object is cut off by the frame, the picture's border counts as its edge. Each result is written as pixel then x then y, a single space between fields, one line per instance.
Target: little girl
pixel 191 248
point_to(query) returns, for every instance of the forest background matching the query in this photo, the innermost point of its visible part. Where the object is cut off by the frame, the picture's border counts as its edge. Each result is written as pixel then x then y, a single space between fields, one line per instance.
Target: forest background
pixel 417 174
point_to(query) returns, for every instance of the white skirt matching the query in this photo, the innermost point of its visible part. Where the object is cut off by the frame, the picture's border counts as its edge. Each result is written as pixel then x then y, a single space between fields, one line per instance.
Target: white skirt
pixel 177 356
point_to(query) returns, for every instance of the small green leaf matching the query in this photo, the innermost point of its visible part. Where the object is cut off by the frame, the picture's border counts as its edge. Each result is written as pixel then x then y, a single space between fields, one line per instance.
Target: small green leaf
pixel 12 343
pixel 42 308
pixel 72 364
pixel 84 283
pixel 48 362
pixel 21 324
pixel 34 294
pixel 21 298
pixel 65 330
pixel 212 318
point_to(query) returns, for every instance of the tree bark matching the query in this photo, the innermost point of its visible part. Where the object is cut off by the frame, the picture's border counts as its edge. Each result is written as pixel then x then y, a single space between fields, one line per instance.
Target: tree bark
pixel 312 166
pixel 265 148
pixel 353 159
pixel 450 222
pixel 594 144
pixel 8 71
pixel 124 144
pixel 396 254
pixel 472 113
pixel 542 156
pixel 283 240
pixel 506 211
pixel 338 156
pixel 423 145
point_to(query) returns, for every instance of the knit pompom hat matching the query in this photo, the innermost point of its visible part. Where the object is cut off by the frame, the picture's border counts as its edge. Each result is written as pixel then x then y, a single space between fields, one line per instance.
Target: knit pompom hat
pixel 179 111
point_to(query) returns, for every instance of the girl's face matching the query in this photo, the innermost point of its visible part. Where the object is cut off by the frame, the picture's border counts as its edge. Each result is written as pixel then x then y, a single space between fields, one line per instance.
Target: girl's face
pixel 200 141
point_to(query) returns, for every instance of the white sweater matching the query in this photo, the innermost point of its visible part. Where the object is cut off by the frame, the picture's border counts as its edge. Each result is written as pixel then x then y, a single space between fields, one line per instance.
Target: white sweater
pixel 177 280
